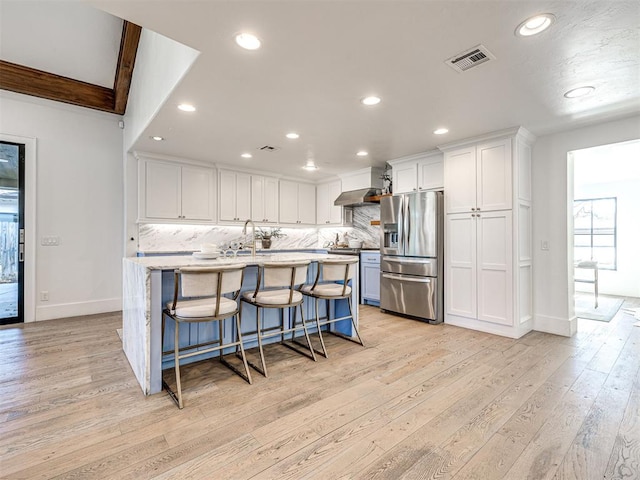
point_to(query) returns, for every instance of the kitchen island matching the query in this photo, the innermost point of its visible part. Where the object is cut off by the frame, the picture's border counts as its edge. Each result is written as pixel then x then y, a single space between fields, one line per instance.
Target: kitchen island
pixel 148 286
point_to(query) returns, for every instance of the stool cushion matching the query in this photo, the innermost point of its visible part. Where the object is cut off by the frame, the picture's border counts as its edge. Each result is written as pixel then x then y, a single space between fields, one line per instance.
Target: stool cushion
pixel 273 297
pixel 326 290
pixel 204 307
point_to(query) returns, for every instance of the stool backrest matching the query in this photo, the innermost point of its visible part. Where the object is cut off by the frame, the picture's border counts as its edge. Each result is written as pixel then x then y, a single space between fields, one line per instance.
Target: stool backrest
pixel 208 281
pixel 279 274
pixel 338 270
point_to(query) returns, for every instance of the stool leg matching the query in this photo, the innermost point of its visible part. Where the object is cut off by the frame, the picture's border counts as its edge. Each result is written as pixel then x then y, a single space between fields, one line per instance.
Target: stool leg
pixel 258 328
pixel 353 322
pixel 306 334
pixel 239 340
pixel 220 333
pixel 324 349
pixel 176 356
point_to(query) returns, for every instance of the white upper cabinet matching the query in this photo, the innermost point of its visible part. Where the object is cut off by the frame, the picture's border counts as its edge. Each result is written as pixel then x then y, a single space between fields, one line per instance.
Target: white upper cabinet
pixel 326 212
pixel 264 199
pixel 172 191
pixel 235 196
pixel 297 203
pixel 479 177
pixel 418 172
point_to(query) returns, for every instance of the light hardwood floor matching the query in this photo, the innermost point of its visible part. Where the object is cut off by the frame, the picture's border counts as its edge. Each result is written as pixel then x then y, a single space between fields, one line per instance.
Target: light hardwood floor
pixel 419 401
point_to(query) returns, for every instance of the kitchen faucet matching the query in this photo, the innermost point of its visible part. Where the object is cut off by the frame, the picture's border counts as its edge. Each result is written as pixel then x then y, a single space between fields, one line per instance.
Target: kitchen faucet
pixel 253 235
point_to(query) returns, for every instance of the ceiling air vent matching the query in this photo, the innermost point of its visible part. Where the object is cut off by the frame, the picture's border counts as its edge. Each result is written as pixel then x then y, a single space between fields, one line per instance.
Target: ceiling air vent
pixel 268 148
pixel 470 58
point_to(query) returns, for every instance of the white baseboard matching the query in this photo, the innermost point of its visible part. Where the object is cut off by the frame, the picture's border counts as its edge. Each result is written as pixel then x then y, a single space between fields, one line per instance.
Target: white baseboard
pixel 565 327
pixel 64 310
pixel 487 327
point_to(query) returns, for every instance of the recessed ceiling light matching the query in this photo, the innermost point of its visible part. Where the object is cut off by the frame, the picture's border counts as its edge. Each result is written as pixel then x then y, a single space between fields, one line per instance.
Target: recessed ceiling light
pixel 535 25
pixel 157 138
pixel 441 131
pixel 248 41
pixel 292 135
pixel 370 101
pixel 362 153
pixel 246 155
pixel 579 92
pixel 185 107
pixel 310 166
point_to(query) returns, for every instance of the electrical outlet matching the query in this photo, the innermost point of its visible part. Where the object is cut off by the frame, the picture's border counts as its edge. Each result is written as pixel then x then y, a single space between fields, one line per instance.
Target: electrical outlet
pixel 44 296
pixel 544 245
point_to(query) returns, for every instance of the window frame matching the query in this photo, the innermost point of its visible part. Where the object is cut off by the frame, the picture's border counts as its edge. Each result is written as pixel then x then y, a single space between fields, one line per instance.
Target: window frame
pixel 591 233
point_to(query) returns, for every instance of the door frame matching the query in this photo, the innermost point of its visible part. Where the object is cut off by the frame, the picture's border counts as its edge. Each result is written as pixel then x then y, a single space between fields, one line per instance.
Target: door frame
pixel 29 222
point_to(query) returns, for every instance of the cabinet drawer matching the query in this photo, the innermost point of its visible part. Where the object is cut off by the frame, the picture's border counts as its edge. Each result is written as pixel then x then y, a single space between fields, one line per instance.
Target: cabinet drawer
pixel 373 257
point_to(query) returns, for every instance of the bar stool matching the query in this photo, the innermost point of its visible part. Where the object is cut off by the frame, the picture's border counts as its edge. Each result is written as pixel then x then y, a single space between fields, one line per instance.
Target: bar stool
pixel 279 281
pixel 205 288
pixel 331 283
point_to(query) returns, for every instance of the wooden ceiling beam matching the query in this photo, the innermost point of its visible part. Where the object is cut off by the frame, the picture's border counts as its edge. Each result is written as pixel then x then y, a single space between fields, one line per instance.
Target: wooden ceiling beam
pixel 126 61
pixel 29 81
pixel 37 83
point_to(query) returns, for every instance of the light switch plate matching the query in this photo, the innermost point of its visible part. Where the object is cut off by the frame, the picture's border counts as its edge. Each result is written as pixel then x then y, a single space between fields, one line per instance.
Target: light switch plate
pixel 50 241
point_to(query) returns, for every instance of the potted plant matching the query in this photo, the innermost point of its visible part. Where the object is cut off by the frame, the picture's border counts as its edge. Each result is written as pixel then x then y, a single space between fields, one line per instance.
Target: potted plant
pixel 266 234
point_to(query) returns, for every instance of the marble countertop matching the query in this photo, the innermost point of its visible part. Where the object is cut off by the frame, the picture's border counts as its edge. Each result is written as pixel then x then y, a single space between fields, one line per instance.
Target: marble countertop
pixel 177 261
pixel 261 250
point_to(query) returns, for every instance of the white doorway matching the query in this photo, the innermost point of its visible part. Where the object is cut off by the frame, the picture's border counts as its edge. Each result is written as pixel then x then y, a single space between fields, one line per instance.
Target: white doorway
pixel 605 228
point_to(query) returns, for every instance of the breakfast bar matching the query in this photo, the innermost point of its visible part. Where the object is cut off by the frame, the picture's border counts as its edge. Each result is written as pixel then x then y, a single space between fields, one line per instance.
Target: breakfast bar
pixel 148 285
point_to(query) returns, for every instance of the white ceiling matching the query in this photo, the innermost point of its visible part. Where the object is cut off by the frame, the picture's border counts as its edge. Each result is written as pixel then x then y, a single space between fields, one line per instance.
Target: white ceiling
pixel 320 57
pixel 66 38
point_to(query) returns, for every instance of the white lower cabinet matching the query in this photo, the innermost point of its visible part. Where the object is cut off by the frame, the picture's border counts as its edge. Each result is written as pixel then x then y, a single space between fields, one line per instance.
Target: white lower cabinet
pixel 478 266
pixel 370 278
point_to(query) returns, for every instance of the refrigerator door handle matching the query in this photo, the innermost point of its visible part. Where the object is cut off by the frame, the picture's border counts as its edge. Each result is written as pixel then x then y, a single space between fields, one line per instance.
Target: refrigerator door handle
pixel 408 260
pixel 404 278
pixel 407 225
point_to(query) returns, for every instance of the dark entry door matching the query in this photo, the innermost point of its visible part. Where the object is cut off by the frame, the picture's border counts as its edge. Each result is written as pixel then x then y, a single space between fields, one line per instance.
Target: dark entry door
pixel 12 164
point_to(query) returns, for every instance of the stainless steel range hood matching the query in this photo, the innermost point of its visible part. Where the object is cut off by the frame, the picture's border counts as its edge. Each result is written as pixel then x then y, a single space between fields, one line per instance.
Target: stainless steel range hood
pixel 355 198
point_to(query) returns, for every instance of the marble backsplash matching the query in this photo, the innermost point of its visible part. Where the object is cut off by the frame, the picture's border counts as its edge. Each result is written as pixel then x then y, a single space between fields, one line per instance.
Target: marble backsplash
pixel 186 238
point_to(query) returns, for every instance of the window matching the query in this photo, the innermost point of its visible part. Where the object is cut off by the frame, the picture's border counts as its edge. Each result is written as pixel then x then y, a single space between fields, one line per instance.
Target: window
pixel 595 230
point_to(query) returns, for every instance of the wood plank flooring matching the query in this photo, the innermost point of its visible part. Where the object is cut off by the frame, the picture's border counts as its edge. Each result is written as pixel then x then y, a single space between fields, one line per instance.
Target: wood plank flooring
pixel 418 402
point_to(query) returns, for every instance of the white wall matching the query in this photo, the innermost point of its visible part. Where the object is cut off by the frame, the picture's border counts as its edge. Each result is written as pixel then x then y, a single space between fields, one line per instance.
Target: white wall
pixel 79 199
pixel 552 201
pixel 160 65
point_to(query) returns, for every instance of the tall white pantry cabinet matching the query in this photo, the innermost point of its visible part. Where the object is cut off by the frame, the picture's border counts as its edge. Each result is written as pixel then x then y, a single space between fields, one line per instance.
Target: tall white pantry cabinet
pixel 488 257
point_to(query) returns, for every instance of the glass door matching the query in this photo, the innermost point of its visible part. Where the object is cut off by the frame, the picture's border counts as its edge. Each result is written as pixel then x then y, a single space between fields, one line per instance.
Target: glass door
pixel 12 162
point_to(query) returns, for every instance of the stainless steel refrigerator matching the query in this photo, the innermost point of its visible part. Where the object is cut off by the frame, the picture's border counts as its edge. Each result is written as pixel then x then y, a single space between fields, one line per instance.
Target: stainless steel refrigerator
pixel 412 260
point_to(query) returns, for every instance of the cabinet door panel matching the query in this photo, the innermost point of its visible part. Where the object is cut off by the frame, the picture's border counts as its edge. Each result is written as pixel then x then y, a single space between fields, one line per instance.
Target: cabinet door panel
pixel 243 196
pixel 322 204
pixel 335 212
pixel 494 185
pixel 288 200
pixel 460 180
pixel 404 178
pixel 270 200
pixel 495 296
pixel 307 203
pixel 257 198
pixel 460 264
pixel 371 282
pixel 162 199
pixel 431 174
pixel 227 195
pixel 197 193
